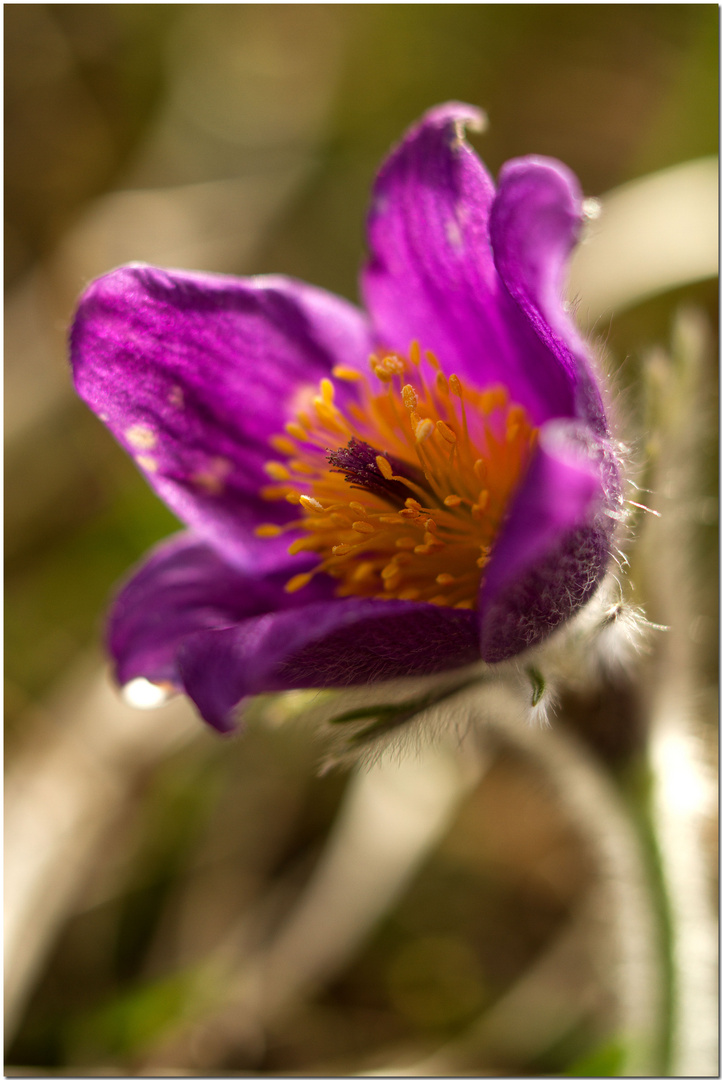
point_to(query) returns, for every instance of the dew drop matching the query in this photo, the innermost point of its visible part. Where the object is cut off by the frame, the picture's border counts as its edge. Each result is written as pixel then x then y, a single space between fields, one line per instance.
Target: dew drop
pixel 143 694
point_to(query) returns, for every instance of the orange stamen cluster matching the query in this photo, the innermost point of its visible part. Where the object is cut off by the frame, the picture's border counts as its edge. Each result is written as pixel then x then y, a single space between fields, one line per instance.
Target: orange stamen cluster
pixel 442 461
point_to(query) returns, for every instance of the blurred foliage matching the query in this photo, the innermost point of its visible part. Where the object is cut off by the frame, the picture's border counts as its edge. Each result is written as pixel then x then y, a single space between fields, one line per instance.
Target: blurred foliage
pixel 103 97
pixel 81 81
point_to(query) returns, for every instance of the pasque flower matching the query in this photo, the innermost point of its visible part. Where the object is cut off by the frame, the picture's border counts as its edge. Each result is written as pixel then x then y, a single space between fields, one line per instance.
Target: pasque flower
pixel 367 496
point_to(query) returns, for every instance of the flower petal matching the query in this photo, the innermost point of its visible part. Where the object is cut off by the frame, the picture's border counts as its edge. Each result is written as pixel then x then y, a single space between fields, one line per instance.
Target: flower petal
pixel 535 223
pixel 555 544
pixel 183 587
pixel 432 276
pixel 341 643
pixel 194 372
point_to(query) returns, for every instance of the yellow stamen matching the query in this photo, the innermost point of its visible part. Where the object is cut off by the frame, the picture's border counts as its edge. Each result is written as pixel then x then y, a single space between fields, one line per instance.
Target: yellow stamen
pixel 390 571
pixel 346 374
pixel 275 470
pixel 409 397
pixel 423 430
pixel 384 467
pixel 311 504
pixel 445 431
pixel 297 582
pixel 432 546
pixel 327 391
pixel 283 445
pixel 304 543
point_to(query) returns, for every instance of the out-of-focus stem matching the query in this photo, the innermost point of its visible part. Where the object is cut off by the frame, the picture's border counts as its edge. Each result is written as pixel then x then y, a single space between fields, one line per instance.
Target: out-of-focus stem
pixel 62 795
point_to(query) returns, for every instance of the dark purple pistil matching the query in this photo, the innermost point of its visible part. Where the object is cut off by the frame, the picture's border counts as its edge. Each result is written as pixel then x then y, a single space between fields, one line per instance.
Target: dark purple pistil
pixel 357 461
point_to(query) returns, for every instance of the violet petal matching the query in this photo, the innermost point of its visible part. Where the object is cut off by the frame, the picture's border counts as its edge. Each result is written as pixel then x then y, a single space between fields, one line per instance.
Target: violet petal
pixel 555 544
pixel 535 224
pixel 184 586
pixel 341 643
pixel 432 277
pixel 194 372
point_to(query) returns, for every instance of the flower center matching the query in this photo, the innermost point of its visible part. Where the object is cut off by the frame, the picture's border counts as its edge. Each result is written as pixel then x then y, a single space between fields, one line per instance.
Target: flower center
pixel 402 479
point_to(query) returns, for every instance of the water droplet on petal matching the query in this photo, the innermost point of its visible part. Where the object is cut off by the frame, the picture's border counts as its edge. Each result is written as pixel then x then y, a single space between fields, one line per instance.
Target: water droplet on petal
pixel 143 694
pixel 591 208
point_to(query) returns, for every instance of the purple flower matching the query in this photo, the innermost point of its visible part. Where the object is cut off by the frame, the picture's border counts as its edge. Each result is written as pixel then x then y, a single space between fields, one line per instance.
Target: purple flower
pixel 367 496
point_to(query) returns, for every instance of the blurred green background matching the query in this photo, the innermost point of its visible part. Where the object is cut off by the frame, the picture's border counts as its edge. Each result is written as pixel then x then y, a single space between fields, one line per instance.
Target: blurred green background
pixel 244 139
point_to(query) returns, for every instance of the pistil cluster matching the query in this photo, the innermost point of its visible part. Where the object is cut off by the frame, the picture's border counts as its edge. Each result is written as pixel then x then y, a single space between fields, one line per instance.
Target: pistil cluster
pixel 402 478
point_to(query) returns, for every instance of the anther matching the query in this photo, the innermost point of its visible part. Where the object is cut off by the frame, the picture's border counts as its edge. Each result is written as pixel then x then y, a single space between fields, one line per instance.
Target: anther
pixel 268 530
pixel 363 571
pixel 390 571
pixel 363 527
pixel 445 431
pixel 423 430
pixel 455 385
pixel 340 549
pixel 329 415
pixel 276 470
pixel 452 500
pixel 304 543
pixel 388 367
pixel 496 398
pixel 283 445
pixel 327 391
pixel 445 579
pixel 409 396
pixel 347 374
pixel 296 430
pixel 297 582
pixel 310 504
pixel 384 467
